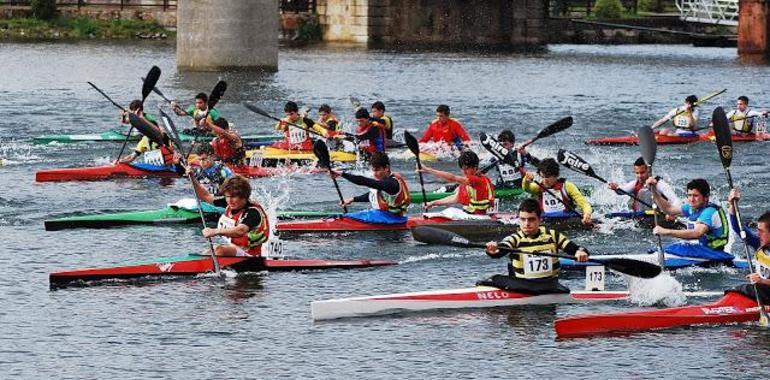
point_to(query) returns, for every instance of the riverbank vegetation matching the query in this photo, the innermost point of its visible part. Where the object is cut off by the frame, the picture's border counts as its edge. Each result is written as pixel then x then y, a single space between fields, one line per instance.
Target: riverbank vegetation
pixel 79 28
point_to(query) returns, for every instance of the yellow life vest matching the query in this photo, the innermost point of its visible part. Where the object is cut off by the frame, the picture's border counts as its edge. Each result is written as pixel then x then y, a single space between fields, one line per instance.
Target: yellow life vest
pixel 740 122
pixel 763 263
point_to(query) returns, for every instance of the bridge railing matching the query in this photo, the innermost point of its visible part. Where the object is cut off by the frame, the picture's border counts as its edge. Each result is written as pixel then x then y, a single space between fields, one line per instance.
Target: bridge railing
pixel 722 12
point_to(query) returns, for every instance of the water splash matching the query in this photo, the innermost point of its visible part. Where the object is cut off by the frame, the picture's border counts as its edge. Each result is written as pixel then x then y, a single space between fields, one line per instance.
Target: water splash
pixel 662 290
pixel 13 152
pixel 436 256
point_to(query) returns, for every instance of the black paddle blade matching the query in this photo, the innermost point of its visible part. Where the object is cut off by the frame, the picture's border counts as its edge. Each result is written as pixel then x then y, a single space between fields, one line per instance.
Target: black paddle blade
pixel 170 128
pixel 412 143
pixel 433 235
pixel 648 144
pixel 498 150
pixel 555 127
pixel 145 128
pixel 217 93
pixel 631 267
pixel 723 136
pixel 322 153
pixel 150 81
pixel 574 162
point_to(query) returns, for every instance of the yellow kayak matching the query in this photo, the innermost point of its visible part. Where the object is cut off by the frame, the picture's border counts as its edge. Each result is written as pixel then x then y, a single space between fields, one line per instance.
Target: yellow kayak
pixel 271 153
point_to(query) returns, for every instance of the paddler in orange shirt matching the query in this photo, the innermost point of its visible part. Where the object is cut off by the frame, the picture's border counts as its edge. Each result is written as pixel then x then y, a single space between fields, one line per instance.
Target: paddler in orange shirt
pixel 446 129
pixel 476 193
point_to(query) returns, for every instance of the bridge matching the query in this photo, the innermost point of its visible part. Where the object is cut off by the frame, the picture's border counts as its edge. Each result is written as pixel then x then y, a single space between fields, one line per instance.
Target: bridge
pixel 752 17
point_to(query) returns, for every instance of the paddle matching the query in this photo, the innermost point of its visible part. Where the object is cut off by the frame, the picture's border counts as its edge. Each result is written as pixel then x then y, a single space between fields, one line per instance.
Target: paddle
pixel 635 268
pixel 550 130
pixel 724 142
pixel 699 102
pixel 152 78
pixel 264 113
pixel 355 103
pixel 159 93
pixel 574 162
pixel 414 146
pixel 321 151
pixel 171 128
pixel 649 147
pixel 107 97
pixel 216 93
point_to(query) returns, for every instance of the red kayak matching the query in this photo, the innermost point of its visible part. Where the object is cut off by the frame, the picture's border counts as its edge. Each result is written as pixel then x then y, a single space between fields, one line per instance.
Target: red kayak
pixel 344 224
pixel 192 265
pixel 634 140
pixel 99 173
pixel 732 308
pixel 745 138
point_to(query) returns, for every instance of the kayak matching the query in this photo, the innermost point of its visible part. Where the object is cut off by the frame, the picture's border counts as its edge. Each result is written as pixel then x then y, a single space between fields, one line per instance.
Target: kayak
pixel 672 261
pixel 271 153
pixel 475 297
pixel 123 170
pixel 168 215
pixel 634 140
pixel 744 138
pixel 117 135
pixel 192 265
pixel 500 193
pixel 732 308
pixel 341 223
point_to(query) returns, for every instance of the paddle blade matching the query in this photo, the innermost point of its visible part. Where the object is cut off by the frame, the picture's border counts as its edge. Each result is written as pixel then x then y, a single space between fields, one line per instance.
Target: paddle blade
pixel 631 267
pixel 145 128
pixel 170 128
pixel 150 81
pixel 709 96
pixel 724 138
pixel 498 150
pixel 648 144
pixel 555 127
pixel 412 143
pixel 574 162
pixel 355 103
pixel 217 93
pixel 433 235
pixel 322 153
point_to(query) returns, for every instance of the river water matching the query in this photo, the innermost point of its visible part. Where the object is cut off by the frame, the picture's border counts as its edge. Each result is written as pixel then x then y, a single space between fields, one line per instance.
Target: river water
pixel 258 325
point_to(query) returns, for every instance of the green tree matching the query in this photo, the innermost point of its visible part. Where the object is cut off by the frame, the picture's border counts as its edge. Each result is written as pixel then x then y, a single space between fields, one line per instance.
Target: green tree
pixel 608 9
pixel 43 9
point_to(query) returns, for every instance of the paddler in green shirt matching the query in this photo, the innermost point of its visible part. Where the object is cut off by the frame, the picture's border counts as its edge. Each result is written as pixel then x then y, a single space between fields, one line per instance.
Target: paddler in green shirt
pixel 199 112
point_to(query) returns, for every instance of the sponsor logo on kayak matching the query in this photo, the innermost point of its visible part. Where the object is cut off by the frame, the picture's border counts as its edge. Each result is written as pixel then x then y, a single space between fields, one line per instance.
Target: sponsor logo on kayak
pixel 165 267
pixel 493 295
pixel 460 240
pixel 719 310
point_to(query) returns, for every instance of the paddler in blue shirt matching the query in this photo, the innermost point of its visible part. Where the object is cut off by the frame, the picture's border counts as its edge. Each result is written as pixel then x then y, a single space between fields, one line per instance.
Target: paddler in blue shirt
pixel 389 194
pixel 210 172
pixel 706 223
pixel 531 273
pixel 760 241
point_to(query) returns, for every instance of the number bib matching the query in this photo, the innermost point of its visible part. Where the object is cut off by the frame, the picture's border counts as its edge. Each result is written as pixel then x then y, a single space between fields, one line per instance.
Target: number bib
pixel 536 265
pixel 225 222
pixel 296 135
pixel 153 157
pixel 681 122
pixel 508 173
pixel 373 199
pixel 763 270
pixel 551 204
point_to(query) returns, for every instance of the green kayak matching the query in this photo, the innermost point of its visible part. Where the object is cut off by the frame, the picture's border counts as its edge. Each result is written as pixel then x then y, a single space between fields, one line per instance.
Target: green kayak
pixel 500 193
pixel 117 135
pixel 168 215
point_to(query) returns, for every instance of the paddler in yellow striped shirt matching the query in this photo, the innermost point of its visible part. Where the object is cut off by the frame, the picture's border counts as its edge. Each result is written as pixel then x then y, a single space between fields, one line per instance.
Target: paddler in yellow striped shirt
pixel 532 273
pixel 560 187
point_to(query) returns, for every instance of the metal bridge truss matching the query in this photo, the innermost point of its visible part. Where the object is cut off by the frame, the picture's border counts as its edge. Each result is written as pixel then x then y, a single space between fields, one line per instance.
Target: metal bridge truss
pixel 718 12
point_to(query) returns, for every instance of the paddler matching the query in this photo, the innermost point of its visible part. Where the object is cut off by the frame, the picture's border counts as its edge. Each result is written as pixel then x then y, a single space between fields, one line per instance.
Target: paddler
pixel 370 134
pixel 639 188
pixel 548 169
pixel 475 191
pixel 388 195
pixel 684 119
pixel 706 223
pixel 742 118
pixel 378 112
pixel 446 129
pixel 244 225
pixel 227 144
pixel 760 241
pixel 295 138
pixel 210 172
pixel 327 122
pixel 200 112
pixel 509 177
pixel 531 273
pixel 158 153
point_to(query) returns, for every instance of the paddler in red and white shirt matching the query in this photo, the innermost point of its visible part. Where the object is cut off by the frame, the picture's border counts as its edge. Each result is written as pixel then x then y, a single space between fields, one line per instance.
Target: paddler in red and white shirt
pixel 446 129
pixel 388 190
pixel 760 241
pixel 548 169
pixel 370 134
pixel 295 138
pixel 244 225
pixel 475 191
pixel 683 118
pixel 227 144
pixel 639 188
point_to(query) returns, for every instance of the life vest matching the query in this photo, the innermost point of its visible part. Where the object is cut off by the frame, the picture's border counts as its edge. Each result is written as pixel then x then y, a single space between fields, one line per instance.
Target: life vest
pixel 388 125
pixel 710 239
pixel 395 204
pixel 373 145
pixel 228 151
pixel 294 135
pixel 477 201
pixel 532 266
pixel 744 125
pixel 763 262
pixel 551 204
pixel 156 154
pixel 642 192
pixel 682 120
pixel 252 241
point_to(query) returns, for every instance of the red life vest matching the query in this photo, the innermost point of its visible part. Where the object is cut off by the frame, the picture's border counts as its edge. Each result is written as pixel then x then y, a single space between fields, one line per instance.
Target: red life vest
pixel 252 241
pixel 226 151
pixel 375 144
pixel 477 200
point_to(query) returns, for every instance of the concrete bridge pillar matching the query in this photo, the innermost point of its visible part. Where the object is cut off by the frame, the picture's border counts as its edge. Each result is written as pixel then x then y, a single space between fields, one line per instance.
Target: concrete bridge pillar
pixel 232 34
pixel 753 27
